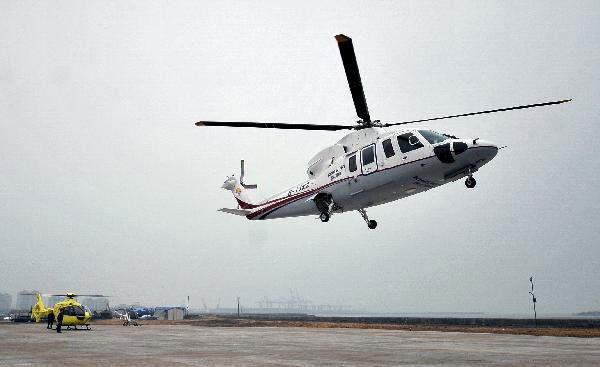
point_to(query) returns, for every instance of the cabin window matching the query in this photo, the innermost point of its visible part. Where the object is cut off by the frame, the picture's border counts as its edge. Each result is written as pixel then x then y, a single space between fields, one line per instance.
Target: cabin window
pixel 368 155
pixel 68 311
pixel 73 311
pixel 352 163
pixel 408 142
pixel 432 137
pixel 388 148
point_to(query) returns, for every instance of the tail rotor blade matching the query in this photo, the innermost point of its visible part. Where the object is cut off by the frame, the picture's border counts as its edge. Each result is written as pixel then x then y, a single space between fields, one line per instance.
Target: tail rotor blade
pixel 353 76
pixel 246 186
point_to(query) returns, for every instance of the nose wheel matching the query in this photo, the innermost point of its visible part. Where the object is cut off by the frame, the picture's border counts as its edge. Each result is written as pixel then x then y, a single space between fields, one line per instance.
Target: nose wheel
pixel 370 223
pixel 470 182
pixel 324 217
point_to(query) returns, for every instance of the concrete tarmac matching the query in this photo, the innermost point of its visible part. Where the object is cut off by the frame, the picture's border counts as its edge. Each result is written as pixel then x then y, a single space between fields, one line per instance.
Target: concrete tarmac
pixel 186 345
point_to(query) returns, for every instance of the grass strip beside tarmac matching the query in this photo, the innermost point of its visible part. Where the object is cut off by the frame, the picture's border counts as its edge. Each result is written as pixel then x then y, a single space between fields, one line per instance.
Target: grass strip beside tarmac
pixel 225 321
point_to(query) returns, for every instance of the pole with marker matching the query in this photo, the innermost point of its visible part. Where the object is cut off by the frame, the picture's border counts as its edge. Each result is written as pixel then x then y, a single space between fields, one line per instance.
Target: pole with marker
pixel 534 300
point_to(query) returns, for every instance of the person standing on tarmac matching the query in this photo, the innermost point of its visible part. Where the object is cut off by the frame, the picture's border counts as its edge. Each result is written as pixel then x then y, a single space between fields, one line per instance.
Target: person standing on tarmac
pixel 50 320
pixel 59 320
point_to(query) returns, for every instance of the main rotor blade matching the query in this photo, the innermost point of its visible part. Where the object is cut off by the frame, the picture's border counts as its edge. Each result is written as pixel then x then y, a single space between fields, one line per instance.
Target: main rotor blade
pixel 76 295
pixel 90 295
pixel 62 295
pixel 481 112
pixel 353 76
pixel 274 125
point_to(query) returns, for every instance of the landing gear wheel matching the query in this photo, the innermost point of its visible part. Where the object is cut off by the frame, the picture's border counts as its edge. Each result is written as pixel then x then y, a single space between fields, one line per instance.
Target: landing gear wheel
pixel 470 182
pixel 370 223
pixel 324 217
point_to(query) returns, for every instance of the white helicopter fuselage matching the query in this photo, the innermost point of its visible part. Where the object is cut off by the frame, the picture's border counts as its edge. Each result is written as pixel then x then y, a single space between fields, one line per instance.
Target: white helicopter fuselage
pixel 370 167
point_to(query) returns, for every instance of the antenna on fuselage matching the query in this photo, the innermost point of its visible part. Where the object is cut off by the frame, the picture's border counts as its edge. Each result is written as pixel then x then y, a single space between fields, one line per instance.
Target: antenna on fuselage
pixel 242 178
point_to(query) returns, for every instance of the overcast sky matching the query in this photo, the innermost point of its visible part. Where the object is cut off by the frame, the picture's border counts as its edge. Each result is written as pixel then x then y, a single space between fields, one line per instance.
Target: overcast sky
pixel 106 185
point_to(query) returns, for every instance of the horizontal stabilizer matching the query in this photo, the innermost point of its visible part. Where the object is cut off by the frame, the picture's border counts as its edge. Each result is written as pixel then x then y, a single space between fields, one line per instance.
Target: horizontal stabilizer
pixel 242 212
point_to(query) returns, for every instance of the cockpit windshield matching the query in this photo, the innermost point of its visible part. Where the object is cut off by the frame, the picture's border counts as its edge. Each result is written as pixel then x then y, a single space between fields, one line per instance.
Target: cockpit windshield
pixel 74 311
pixel 432 137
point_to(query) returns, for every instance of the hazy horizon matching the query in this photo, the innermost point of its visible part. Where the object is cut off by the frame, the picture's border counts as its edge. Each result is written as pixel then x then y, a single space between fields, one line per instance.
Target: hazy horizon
pixel 107 186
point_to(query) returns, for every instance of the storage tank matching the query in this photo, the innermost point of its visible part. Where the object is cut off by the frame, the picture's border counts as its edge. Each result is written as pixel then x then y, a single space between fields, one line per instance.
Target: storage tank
pixel 26 300
pixel 175 314
pixel 5 302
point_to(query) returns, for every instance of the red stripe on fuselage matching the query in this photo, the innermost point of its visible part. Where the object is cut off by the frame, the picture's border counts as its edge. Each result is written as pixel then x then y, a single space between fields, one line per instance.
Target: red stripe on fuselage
pixel 286 200
pixel 289 199
pixel 245 205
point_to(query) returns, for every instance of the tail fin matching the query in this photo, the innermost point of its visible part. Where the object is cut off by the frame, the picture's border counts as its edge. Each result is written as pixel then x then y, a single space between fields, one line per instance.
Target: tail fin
pixel 242 212
pixel 38 311
pixel 237 188
pixel 234 185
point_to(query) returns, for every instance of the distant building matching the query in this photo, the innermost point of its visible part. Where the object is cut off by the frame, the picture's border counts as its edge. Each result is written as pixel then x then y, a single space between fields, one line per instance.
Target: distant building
pixel 175 314
pixel 169 313
pixel 52 300
pixel 26 300
pixel 5 302
pixel 97 304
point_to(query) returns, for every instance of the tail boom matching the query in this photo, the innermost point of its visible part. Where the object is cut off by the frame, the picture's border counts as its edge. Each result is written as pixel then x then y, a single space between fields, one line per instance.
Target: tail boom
pixel 39 310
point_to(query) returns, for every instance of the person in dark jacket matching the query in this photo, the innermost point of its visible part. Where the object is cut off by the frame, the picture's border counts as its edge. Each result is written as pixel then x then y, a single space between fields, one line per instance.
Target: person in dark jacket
pixel 50 320
pixel 59 320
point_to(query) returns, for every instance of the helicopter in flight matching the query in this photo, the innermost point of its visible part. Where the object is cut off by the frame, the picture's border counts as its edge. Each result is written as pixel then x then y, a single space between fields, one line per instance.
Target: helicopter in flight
pixel 369 166
pixel 74 313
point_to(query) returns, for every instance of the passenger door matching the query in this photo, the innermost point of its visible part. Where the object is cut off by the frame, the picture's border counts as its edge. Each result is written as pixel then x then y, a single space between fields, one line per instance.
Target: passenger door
pixel 368 159
pixel 352 165
pixel 408 142
pixel 389 153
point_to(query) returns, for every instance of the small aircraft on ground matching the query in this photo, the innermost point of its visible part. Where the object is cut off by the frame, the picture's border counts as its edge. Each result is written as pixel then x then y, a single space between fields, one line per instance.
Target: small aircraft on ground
pixel 125 316
pixel 74 313
pixel 370 166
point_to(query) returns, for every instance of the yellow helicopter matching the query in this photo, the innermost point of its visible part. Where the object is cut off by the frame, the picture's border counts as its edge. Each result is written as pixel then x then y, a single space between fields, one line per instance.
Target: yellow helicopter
pixel 74 313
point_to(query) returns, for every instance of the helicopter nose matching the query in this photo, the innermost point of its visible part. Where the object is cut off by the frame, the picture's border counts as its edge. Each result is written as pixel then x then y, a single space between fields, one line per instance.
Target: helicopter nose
pixel 466 151
pixel 485 149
